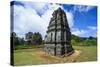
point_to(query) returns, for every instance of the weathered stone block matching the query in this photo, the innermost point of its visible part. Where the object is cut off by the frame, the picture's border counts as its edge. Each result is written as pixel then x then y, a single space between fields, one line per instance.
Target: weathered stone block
pixel 58 38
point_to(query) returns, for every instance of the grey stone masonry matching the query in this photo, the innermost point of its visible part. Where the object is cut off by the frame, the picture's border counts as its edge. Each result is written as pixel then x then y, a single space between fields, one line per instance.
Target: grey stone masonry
pixel 58 38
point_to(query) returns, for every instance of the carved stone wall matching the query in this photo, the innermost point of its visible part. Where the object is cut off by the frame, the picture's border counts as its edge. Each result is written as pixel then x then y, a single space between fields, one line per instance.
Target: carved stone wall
pixel 58 38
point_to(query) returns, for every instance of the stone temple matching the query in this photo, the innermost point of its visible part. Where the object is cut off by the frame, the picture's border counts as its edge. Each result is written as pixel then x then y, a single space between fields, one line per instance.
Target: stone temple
pixel 58 38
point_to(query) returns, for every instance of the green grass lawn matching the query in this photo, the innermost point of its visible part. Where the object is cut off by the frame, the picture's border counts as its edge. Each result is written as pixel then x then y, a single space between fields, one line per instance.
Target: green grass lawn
pixel 26 57
pixel 37 56
pixel 88 53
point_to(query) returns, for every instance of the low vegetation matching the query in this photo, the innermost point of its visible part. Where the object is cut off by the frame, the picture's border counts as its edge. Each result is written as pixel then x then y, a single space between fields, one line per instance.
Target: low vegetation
pixel 38 56
pixel 31 50
pixel 83 41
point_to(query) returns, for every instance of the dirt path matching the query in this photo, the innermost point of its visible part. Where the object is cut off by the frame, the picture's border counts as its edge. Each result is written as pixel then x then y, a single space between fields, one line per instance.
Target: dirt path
pixel 74 56
pixel 54 59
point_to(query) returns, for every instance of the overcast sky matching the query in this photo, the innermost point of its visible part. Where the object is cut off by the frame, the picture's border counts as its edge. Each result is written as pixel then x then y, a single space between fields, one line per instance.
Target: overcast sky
pixel 35 17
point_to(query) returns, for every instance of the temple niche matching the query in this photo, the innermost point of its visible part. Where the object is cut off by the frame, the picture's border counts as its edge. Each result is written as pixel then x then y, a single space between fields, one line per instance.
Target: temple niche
pixel 58 38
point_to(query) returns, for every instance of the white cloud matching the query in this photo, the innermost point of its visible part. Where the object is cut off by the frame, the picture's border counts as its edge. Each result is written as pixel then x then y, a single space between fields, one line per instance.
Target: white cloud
pixel 70 18
pixel 26 18
pixel 90 31
pixel 79 32
pixel 81 8
pixel 37 6
pixel 92 27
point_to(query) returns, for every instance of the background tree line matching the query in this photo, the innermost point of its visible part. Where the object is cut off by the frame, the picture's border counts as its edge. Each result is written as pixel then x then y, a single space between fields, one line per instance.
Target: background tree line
pixel 29 39
pixel 83 41
pixel 35 39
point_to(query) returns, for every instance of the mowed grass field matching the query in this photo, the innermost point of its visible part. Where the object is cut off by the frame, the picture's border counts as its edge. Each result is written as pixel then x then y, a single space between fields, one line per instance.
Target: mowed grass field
pixel 38 56
pixel 88 53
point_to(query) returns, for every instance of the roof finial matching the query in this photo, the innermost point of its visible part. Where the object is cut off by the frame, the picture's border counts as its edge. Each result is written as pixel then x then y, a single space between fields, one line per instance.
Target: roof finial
pixel 59 8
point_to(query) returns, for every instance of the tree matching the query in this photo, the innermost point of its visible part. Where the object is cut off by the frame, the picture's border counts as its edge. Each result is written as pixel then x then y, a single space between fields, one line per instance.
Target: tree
pixel 37 38
pixel 21 41
pixel 83 41
pixel 28 37
pixel 76 39
pixel 16 40
pixel 13 34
